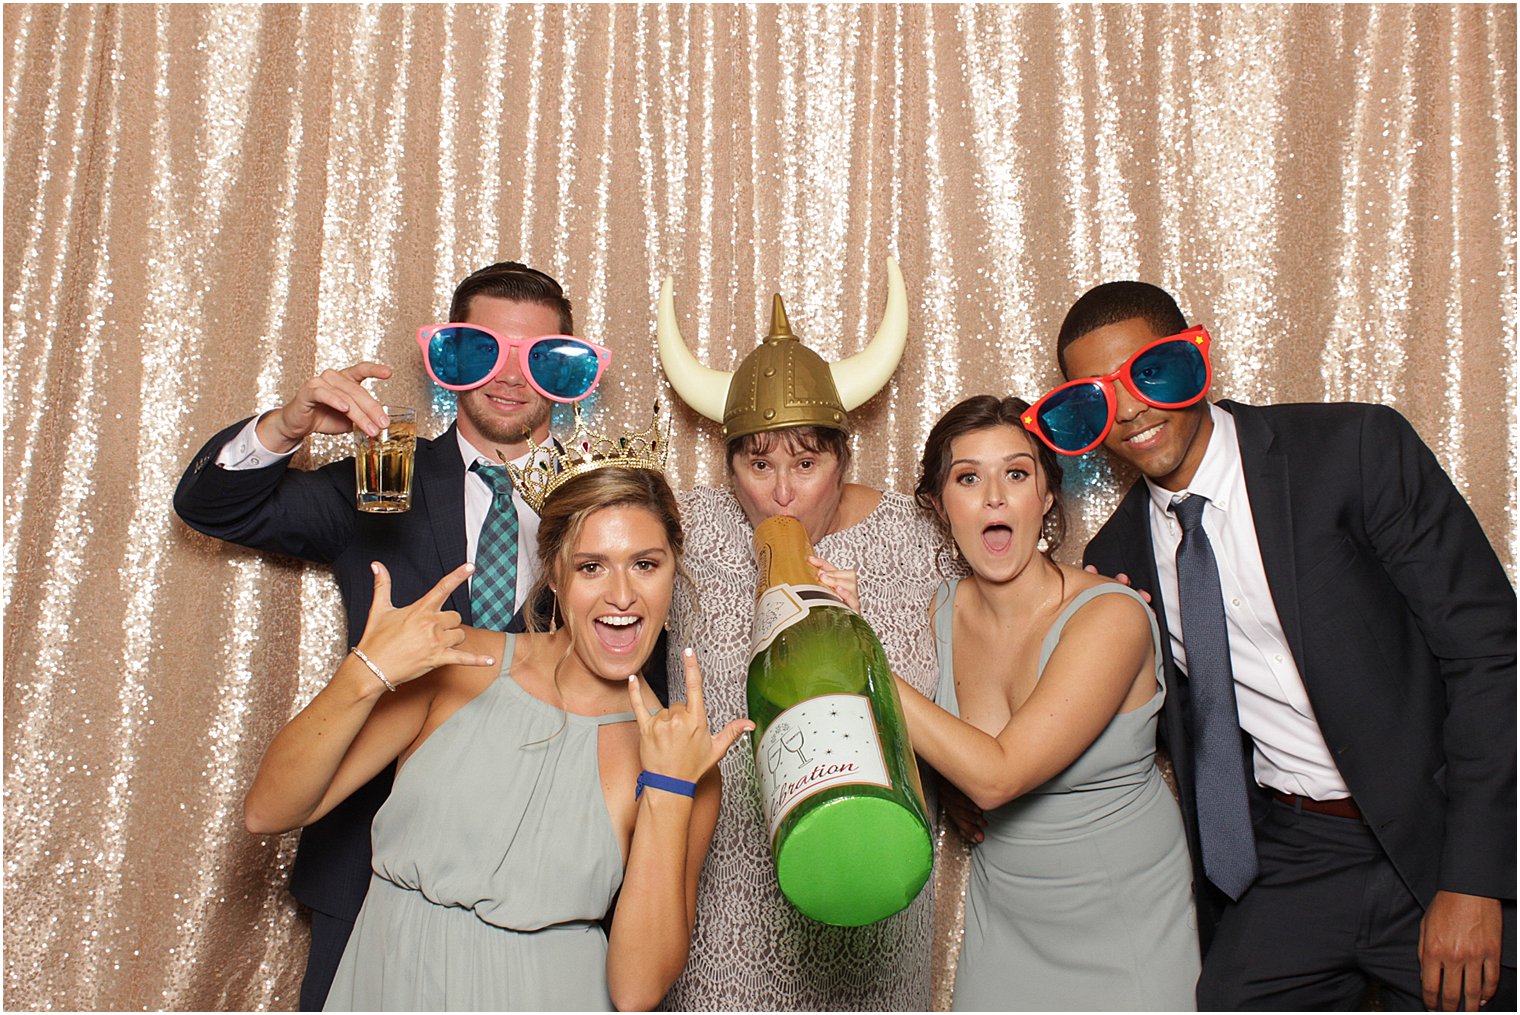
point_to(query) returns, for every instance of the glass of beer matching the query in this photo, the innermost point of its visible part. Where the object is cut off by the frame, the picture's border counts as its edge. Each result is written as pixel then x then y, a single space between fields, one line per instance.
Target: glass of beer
pixel 383 463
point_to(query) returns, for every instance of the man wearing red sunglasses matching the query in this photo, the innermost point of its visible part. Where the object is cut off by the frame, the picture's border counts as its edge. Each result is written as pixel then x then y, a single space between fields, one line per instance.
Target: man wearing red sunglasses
pixel 1340 643
pixel 239 488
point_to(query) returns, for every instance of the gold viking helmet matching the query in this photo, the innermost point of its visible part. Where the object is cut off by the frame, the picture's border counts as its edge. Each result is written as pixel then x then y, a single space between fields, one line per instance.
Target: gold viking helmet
pixel 783 383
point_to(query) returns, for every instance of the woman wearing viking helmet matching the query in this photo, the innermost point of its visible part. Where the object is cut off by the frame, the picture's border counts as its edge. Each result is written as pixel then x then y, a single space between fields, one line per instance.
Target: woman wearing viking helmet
pixel 784 417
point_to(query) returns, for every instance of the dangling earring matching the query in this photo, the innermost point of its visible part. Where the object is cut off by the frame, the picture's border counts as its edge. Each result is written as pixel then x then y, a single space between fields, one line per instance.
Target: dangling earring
pixel 553 611
pixel 1043 543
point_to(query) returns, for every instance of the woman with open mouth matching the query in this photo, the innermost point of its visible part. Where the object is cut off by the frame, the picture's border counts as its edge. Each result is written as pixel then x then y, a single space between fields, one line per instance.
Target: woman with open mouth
pixel 537 776
pixel 784 413
pixel 1050 685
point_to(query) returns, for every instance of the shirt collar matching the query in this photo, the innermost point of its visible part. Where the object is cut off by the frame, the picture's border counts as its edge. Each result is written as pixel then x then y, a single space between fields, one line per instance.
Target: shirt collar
pixel 1217 474
pixel 472 455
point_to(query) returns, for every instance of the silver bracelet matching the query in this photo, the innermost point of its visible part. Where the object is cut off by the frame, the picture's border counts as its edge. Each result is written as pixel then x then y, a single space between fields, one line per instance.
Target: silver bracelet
pixel 367 661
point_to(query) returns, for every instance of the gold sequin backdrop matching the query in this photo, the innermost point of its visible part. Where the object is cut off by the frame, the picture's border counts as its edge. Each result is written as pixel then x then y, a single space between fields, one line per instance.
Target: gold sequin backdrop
pixel 204 205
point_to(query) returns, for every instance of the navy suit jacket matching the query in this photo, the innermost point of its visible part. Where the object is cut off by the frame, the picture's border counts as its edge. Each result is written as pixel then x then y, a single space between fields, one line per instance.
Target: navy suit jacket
pixel 311 515
pixel 1402 623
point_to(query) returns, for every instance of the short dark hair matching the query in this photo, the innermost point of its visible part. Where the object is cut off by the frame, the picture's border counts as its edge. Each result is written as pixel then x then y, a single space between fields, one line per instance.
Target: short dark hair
pixel 987 412
pixel 512 280
pixel 1113 302
pixel 812 439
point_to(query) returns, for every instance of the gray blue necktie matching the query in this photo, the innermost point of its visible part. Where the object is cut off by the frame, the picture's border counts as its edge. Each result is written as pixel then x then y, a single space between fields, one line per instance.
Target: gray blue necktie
pixel 1219 778
pixel 493 589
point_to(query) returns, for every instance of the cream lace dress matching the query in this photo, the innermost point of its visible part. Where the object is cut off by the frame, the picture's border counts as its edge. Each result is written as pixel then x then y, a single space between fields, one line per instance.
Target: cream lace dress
pixel 751 950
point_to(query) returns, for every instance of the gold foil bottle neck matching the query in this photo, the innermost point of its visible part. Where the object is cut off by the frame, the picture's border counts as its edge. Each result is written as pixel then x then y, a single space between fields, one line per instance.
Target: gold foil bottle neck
pixel 782 550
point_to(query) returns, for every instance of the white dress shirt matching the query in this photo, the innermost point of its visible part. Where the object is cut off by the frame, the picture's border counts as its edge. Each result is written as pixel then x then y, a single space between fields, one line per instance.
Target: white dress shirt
pixel 246 451
pixel 1290 751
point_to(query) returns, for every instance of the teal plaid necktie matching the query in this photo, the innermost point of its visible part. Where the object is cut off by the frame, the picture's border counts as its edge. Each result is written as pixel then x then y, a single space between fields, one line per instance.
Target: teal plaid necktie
pixel 493 590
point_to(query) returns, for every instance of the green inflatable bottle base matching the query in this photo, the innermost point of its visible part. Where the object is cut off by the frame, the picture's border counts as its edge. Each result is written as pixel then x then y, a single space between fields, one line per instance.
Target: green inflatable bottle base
pixel 855 860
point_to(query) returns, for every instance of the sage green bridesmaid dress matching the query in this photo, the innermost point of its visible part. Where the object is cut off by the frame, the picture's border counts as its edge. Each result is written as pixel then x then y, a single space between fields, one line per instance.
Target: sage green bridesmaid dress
pixel 494 861
pixel 1080 895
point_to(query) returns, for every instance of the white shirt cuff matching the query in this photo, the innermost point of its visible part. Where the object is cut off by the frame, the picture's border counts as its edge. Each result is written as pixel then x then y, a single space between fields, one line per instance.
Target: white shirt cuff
pixel 246 451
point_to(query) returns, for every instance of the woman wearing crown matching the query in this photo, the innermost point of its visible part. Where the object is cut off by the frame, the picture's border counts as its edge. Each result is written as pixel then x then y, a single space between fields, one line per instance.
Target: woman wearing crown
pixel 784 416
pixel 536 777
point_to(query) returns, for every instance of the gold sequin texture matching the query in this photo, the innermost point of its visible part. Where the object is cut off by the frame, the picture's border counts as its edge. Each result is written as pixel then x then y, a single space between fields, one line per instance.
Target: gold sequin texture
pixel 205 205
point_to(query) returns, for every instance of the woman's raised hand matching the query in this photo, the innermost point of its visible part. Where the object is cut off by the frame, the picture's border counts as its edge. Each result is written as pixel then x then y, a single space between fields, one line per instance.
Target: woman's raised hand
pixel 675 741
pixel 408 641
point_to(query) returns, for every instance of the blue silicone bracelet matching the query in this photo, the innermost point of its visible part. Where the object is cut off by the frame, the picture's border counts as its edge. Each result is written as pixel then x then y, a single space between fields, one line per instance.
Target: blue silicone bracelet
pixel 655 780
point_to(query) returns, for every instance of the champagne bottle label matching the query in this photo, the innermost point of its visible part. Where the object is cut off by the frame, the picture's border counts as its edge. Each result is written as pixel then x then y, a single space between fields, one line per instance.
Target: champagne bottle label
pixel 826 741
pixel 781 606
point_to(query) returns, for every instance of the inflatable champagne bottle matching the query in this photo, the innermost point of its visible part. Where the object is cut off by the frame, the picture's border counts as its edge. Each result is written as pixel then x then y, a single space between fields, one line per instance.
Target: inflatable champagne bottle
pixel 838 781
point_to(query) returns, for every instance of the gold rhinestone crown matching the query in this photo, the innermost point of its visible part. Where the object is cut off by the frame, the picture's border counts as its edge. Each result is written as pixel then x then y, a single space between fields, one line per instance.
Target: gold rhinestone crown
pixel 551 467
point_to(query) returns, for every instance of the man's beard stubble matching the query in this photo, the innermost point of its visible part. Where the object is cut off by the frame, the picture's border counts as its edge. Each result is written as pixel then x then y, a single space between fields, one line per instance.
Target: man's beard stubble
pixel 500 431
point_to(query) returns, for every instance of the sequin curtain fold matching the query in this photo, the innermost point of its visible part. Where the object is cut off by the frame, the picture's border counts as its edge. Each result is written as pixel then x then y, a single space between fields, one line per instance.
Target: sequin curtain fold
pixel 205 205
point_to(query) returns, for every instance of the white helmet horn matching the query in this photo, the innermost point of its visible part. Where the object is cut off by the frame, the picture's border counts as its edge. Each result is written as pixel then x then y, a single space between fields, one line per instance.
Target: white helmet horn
pixel 702 388
pixel 861 376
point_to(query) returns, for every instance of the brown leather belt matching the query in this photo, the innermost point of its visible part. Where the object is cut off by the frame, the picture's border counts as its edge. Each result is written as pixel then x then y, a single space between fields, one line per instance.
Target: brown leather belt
pixel 1345 808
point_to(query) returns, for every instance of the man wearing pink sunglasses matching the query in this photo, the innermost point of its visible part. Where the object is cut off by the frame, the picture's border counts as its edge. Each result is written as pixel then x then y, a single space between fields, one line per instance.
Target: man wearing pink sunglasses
pixel 239 488
pixel 1340 649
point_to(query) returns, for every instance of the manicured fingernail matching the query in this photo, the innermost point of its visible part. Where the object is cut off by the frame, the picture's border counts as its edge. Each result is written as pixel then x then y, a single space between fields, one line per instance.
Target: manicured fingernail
pixel 374 568
pixel 469 567
pixel 490 661
pixel 687 652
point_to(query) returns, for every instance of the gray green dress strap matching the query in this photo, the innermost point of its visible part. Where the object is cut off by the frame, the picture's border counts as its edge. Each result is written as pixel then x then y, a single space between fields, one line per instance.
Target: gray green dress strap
pixel 1080 895
pixel 495 858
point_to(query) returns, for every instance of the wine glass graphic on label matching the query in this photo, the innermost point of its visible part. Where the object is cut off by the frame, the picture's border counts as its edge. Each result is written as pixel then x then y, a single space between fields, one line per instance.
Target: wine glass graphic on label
pixel 787 738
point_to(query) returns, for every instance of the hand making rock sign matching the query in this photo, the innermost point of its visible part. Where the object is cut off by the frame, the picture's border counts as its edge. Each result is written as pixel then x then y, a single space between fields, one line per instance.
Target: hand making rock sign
pixel 530 799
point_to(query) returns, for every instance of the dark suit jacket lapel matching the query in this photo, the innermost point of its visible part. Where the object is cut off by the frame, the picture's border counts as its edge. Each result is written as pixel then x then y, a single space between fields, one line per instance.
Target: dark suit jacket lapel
pixel 440 486
pixel 1140 556
pixel 1268 484
pixel 1135 512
